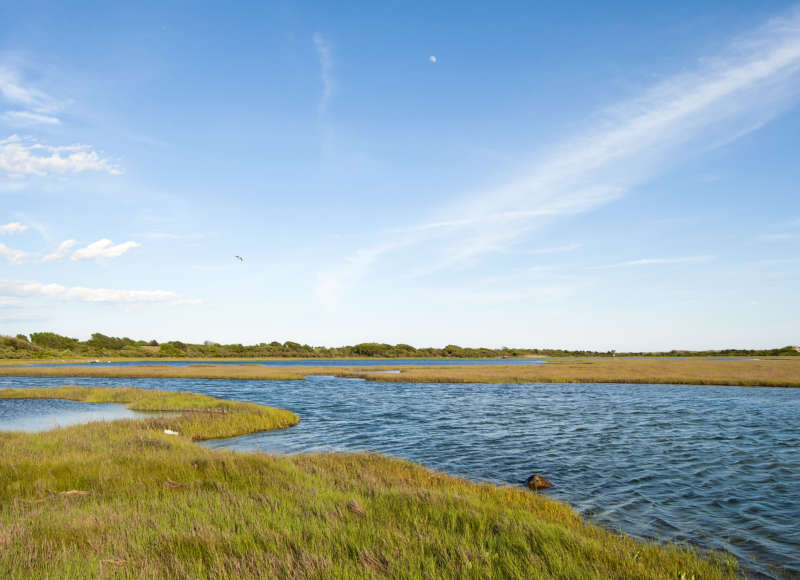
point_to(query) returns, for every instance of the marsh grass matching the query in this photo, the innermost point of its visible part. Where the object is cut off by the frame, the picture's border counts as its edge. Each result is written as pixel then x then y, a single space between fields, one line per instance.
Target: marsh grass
pixel 194 416
pixel 769 372
pixel 122 499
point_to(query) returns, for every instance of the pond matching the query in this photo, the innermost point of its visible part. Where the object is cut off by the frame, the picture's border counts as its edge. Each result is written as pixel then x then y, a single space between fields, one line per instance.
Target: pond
pixel 33 415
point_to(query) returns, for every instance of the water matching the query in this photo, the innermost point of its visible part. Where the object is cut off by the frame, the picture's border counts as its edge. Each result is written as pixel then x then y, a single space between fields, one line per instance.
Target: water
pixel 361 362
pixel 317 362
pixel 33 415
pixel 718 467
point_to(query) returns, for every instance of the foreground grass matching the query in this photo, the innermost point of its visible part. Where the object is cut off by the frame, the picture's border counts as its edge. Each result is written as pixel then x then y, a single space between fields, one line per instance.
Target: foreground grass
pixel 769 373
pixel 122 499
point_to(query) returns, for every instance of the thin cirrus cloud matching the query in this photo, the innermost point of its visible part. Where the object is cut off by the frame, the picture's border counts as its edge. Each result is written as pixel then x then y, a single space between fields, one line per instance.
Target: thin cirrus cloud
pixel 556 249
pixel 103 248
pixel 29 118
pixel 13 228
pixel 658 261
pixel 21 289
pixel 20 157
pixel 326 66
pixel 36 104
pixel 782 237
pixel 755 79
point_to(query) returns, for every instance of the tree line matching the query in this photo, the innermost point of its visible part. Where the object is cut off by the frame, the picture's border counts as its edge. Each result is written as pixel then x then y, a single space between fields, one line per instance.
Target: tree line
pixel 51 345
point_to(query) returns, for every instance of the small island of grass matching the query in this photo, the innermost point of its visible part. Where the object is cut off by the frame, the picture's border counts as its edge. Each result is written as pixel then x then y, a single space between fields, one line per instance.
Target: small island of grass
pixel 775 372
pixel 125 499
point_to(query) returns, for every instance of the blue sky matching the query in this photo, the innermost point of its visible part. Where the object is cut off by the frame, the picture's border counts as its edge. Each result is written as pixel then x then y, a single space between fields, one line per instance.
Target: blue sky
pixel 621 176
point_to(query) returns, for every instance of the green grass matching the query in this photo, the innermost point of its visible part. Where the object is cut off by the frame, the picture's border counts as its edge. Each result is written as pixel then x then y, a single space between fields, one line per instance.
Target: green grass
pixel 195 416
pixel 122 499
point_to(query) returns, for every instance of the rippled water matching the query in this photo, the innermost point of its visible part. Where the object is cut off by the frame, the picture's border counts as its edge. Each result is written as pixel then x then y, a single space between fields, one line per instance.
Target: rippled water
pixel 715 466
pixel 42 414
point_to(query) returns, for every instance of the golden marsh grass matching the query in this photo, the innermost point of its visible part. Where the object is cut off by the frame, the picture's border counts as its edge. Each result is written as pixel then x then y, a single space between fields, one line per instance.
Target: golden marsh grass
pixel 768 372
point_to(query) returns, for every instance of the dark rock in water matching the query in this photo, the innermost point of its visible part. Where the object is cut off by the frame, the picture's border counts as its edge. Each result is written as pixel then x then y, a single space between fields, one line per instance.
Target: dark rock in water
pixel 537 482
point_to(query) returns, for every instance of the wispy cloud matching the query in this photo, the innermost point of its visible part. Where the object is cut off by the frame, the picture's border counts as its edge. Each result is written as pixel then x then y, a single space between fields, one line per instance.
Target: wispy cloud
pixel 81 294
pixel 61 252
pixel 169 236
pixel 20 157
pixel 778 262
pixel 103 248
pixel 658 261
pixel 556 249
pixel 31 105
pixel 15 91
pixel 13 256
pixel 29 118
pixel 13 228
pixel 751 82
pixel 782 237
pixel 325 66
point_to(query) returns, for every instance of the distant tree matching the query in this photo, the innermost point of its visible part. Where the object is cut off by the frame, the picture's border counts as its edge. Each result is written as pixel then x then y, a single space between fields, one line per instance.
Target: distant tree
pixel 102 341
pixel 453 350
pixel 170 349
pixel 53 340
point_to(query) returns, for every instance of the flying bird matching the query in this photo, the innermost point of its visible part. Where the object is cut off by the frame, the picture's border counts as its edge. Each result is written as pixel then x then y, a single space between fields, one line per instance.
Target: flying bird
pixel 239 258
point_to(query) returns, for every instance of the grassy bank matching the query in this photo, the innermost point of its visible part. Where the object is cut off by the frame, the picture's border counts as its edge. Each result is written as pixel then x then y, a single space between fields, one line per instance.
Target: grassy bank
pixel 194 416
pixel 766 373
pixel 770 373
pixel 123 499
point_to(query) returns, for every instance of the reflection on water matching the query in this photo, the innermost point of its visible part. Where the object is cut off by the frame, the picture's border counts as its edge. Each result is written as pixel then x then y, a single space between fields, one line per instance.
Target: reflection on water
pixel 715 466
pixel 33 415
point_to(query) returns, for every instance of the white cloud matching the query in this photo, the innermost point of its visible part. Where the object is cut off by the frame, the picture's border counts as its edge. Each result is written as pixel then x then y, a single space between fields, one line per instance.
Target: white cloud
pixel 658 261
pixel 20 157
pixel 82 294
pixel 13 228
pixel 61 252
pixel 13 256
pixel 754 80
pixel 555 250
pixel 326 66
pixel 29 118
pixel 103 248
